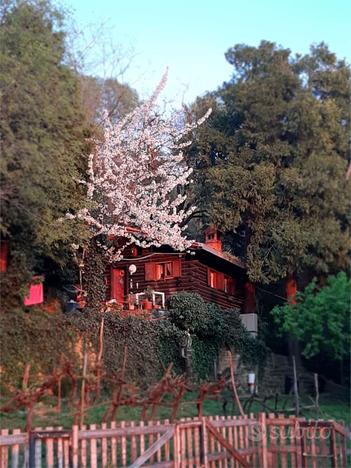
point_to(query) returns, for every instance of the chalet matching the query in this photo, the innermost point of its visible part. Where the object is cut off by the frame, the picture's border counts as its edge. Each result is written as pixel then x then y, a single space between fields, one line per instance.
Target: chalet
pixel 204 269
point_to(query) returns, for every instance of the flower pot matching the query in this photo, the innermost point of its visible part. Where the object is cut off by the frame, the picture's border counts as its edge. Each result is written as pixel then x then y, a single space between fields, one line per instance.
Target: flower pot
pixel 146 304
pixel 81 304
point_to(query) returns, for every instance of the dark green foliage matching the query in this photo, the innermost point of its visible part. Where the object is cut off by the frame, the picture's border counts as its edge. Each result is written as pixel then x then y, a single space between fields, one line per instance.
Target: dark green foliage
pixel 204 355
pixel 320 319
pixel 94 277
pixel 37 338
pixel 189 312
pixel 271 160
pixel 140 336
pixel 213 329
pixel 170 341
pixel 43 135
pixel 40 339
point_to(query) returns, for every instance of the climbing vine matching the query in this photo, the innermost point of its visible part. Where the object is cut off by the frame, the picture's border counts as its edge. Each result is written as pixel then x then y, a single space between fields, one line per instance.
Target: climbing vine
pixel 36 338
pixel 40 338
pixel 213 329
pixel 94 274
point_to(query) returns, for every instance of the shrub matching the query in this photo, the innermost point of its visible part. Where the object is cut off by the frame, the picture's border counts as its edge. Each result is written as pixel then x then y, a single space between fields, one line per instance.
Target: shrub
pixel 188 311
pixel 213 329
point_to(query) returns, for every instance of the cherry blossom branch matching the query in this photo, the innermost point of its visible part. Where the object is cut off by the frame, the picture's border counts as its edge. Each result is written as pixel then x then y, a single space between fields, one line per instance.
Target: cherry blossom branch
pixel 135 176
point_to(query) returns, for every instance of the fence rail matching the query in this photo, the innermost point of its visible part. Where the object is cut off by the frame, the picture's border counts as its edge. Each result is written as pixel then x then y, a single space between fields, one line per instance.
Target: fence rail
pixel 224 442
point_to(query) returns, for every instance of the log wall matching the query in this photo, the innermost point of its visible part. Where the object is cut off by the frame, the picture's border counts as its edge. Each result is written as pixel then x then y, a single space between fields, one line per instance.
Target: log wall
pixel 193 279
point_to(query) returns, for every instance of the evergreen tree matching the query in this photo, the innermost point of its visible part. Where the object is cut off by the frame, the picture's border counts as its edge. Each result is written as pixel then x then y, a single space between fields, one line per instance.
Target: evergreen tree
pixel 274 159
pixel 43 137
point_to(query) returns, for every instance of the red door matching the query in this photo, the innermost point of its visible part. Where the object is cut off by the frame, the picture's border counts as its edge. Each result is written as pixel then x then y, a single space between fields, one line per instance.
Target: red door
pixel 118 284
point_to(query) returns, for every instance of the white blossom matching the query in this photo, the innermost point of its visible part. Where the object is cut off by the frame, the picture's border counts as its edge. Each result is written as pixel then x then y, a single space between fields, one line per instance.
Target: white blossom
pixel 136 179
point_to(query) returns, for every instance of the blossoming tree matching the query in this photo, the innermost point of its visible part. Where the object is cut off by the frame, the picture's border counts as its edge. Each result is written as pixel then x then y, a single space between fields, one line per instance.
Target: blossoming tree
pixel 137 177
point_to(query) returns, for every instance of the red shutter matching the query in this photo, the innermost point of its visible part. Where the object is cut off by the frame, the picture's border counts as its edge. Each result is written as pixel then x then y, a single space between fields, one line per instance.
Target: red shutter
pixel 220 281
pixel 150 272
pixel 157 271
pixel 209 277
pixel 177 268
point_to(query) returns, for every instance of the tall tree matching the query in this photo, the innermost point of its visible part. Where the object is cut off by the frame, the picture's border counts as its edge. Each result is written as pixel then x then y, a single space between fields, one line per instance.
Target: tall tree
pixel 137 177
pixel 43 135
pixel 274 158
pixel 99 94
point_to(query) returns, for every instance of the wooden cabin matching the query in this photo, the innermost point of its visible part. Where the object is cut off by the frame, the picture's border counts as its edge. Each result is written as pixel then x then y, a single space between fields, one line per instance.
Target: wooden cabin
pixel 204 269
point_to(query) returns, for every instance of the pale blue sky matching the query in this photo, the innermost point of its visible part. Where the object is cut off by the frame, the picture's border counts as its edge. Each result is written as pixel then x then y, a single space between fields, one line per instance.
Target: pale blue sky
pixel 191 37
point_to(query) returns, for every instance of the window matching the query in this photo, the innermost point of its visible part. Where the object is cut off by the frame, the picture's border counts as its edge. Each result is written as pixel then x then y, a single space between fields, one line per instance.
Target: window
pixel 166 270
pixel 156 271
pixel 218 280
pixel 212 278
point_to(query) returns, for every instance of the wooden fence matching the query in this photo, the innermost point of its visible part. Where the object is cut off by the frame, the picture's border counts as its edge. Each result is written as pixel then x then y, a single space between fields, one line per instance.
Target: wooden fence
pixel 224 442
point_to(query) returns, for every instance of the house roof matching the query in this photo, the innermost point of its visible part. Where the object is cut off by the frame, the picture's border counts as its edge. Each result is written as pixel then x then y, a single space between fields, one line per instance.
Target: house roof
pixel 201 246
pixel 219 254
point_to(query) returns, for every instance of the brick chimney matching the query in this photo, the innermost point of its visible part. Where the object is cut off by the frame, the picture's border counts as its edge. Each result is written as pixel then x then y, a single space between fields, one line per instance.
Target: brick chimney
pixel 213 238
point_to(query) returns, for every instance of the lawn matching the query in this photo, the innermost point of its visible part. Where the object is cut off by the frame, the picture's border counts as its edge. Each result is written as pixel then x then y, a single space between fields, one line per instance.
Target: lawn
pixel 47 415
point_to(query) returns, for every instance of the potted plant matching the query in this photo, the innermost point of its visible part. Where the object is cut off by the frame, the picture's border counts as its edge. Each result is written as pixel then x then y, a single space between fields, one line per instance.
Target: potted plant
pixel 146 302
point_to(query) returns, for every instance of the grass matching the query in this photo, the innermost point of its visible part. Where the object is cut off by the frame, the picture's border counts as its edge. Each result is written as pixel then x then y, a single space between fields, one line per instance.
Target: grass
pixel 46 414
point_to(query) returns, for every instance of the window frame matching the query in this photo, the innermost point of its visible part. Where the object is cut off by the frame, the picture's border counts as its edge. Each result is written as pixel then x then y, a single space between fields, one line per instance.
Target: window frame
pixel 220 281
pixel 164 266
pixel 212 278
pixel 162 271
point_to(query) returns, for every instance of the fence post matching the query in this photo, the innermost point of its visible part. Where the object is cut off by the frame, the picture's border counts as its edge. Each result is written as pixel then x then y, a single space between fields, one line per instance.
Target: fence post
pixel 204 444
pixel 176 448
pixel 343 450
pixel 31 447
pixel 333 448
pixel 75 446
pixel 263 434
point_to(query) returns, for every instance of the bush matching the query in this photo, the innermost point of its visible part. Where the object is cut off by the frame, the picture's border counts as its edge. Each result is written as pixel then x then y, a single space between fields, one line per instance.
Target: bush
pixel 188 311
pixel 213 329
pixel 320 319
